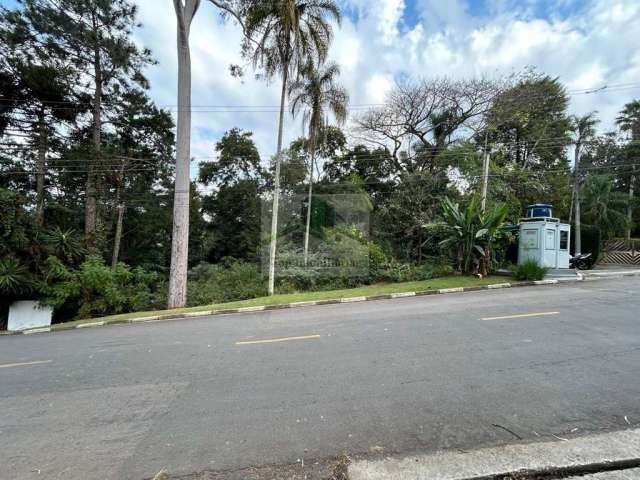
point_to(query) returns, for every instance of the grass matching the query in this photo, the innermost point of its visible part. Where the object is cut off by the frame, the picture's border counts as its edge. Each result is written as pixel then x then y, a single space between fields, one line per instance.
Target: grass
pixel 370 290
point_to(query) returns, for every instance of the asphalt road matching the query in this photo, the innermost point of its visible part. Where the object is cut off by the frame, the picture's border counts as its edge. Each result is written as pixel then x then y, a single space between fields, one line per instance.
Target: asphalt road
pixel 411 374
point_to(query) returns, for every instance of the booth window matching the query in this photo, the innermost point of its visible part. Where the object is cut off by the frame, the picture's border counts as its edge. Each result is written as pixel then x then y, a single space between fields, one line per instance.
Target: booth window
pixel 564 240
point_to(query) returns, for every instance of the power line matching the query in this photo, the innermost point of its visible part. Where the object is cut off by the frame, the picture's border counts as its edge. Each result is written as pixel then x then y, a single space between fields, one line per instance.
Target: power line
pixel 276 108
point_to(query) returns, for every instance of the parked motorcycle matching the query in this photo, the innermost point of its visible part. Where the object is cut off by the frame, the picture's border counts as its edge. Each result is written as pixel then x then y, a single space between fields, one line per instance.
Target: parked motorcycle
pixel 581 262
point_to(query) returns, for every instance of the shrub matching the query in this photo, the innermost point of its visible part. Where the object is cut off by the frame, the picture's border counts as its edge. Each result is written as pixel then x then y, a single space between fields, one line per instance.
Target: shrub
pixel 232 280
pixel 530 270
pixel 96 289
pixel 342 259
pixel 395 271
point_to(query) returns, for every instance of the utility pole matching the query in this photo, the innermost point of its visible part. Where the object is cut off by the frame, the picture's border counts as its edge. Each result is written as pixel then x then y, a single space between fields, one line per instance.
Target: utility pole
pixel 485 172
pixel 577 248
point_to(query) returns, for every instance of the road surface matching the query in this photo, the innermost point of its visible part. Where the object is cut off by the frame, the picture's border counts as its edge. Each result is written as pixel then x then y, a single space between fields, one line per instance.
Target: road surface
pixel 412 374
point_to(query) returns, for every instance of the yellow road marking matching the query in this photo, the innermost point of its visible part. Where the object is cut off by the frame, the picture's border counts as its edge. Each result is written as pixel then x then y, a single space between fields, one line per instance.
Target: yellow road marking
pixel 25 364
pixel 276 340
pixel 524 315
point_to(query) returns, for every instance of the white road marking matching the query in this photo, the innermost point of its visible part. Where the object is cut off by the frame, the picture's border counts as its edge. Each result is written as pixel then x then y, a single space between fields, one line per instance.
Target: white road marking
pixel 276 340
pixel 523 315
pixel 25 364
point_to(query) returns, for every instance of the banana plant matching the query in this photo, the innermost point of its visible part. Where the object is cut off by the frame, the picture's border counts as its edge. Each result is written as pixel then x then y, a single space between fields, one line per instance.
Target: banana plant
pixel 471 233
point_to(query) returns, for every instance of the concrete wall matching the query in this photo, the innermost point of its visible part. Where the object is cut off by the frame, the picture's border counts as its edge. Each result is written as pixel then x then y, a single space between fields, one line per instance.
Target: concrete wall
pixel 28 314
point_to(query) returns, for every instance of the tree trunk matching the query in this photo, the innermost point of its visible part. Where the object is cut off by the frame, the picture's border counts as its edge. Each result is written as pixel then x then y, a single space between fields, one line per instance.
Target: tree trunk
pixel 571 204
pixel 91 207
pixel 40 167
pixel 577 249
pixel 118 237
pixel 485 173
pixel 180 240
pixel 312 148
pixel 276 190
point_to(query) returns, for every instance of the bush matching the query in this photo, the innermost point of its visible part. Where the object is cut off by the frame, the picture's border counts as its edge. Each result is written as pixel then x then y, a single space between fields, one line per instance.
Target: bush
pixel 395 271
pixel 226 282
pixel 530 270
pixel 96 289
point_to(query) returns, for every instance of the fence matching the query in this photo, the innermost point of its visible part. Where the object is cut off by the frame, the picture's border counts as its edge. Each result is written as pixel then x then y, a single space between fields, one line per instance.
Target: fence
pixel 621 252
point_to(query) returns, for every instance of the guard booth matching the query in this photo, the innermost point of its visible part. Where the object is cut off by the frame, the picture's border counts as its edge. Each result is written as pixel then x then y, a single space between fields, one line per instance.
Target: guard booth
pixel 543 238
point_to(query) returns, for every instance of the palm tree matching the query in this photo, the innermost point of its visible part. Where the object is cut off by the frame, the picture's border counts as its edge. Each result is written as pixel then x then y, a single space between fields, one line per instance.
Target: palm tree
pixel 603 206
pixel 472 233
pixel 317 93
pixel 629 121
pixel 284 35
pixel 584 129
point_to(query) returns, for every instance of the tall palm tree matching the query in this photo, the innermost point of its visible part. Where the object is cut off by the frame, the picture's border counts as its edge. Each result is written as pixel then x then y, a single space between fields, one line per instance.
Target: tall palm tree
pixel 584 130
pixel 284 36
pixel 317 93
pixel 629 121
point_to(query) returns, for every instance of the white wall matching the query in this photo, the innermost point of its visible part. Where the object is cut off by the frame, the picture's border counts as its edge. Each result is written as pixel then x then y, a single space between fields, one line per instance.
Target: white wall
pixel 28 314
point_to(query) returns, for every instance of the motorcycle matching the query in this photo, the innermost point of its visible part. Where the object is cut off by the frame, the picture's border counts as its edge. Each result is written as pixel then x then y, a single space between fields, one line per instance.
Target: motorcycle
pixel 581 262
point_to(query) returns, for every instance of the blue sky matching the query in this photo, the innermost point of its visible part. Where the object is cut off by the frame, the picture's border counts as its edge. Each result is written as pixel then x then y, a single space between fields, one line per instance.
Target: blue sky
pixel 586 43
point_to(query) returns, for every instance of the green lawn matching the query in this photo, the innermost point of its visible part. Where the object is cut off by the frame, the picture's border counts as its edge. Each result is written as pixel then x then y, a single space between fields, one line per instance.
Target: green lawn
pixel 371 290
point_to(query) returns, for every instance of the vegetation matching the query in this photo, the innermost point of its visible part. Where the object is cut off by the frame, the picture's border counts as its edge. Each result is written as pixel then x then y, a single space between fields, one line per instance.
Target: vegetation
pixel 99 214
pixel 281 299
pixel 530 270
pixel 472 234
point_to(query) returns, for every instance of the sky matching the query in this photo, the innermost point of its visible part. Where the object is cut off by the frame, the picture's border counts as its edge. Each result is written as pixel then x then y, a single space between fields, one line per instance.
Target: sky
pixel 586 43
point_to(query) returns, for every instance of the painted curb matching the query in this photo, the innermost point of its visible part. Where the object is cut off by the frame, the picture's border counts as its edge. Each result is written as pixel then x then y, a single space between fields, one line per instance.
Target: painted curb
pixel 262 308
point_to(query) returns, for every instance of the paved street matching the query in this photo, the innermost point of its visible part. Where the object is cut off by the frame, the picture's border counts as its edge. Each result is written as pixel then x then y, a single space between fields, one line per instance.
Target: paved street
pixel 414 374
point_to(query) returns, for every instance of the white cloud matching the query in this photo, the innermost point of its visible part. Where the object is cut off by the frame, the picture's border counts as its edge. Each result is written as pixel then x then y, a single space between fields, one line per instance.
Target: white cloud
pixel 378 44
pixel 377 87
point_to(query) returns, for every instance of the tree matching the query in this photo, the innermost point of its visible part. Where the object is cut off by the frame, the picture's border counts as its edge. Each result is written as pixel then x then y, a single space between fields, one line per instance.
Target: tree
pixel 235 221
pixel 584 132
pixel 282 36
pixel 318 94
pixel 238 159
pixel 233 207
pixel 528 123
pixel 413 201
pixel 629 121
pixel 39 84
pixel 604 208
pixel 141 152
pixel 185 11
pixel 421 119
pixel 373 167
pixel 180 239
pixel 95 37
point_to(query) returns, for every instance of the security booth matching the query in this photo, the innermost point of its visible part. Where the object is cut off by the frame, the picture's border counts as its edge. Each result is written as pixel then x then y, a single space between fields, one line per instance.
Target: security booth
pixel 543 238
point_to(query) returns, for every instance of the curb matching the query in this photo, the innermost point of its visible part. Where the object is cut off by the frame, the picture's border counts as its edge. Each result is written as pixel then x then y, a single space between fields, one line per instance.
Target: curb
pixel 263 308
pixel 615 452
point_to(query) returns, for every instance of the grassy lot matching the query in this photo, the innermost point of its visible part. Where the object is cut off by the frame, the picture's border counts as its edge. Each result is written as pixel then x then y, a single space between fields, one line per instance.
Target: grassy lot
pixel 371 290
